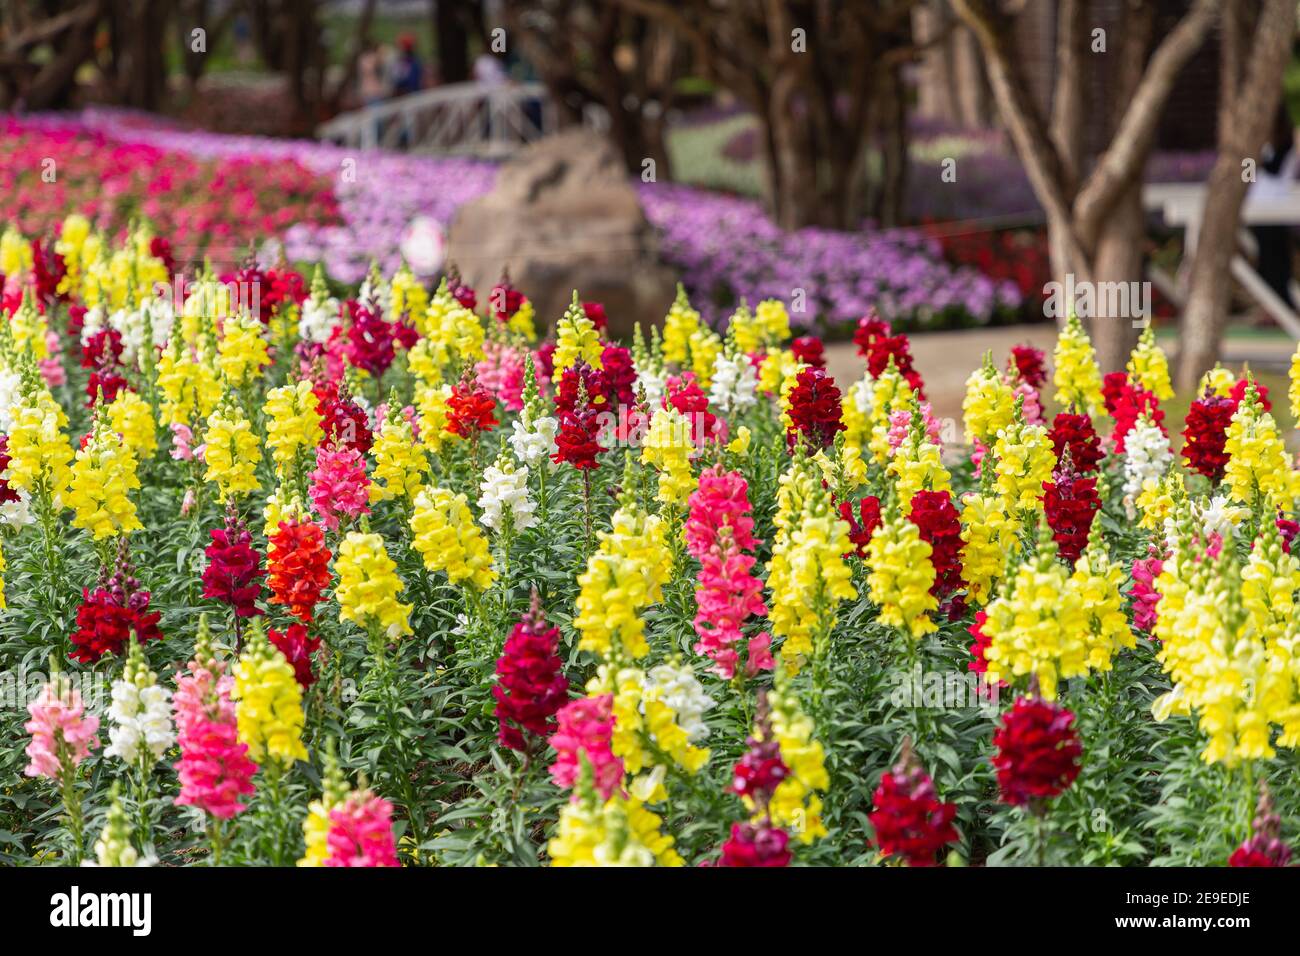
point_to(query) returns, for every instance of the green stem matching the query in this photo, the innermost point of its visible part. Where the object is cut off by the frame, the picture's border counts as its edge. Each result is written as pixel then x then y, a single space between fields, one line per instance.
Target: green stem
pixel 72 808
pixel 215 838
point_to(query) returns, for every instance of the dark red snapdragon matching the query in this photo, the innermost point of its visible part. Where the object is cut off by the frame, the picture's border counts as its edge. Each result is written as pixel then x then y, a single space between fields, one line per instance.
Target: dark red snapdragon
pixel 814 409
pixel 531 686
pixel 1037 752
pixel 910 820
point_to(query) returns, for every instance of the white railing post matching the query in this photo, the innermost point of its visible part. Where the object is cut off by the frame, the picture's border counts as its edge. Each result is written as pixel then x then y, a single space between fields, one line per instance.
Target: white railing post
pixel 457 118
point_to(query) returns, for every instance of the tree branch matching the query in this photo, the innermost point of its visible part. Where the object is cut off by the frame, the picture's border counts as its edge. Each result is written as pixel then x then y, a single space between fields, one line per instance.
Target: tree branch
pixel 1129 147
pixel 1024 121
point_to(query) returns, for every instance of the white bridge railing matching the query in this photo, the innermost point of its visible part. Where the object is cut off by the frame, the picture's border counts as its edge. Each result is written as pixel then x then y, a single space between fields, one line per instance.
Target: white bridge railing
pixel 464 118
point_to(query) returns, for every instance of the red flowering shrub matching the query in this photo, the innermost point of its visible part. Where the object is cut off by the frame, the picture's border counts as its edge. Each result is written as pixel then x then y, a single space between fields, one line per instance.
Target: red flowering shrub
pixel 877 346
pixel 1239 392
pixel 1071 502
pixel 940 526
pixel 193 202
pixel 1264 846
pixel 596 312
pixel 758 844
pixel 809 350
pixel 109 615
pixel 366 340
pixel 471 409
pixel 1127 401
pixel 343 421
pixel 7 493
pixel 686 396
pixel 577 440
pixel 462 293
pixel 979 663
pixel 617 376
pixel 105 622
pixel 234 572
pixel 504 300
pixel 759 771
pixel 1028 364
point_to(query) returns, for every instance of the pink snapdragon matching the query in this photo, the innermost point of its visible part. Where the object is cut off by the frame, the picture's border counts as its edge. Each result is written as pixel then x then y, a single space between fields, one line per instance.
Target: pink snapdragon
pixel 361 832
pixel 52 367
pixel 339 486
pixel 1144 594
pixel 63 734
pixel 214 769
pixel 182 442
pixel 1031 405
pixel 719 532
pixel 501 372
pixel 585 729
pixel 900 426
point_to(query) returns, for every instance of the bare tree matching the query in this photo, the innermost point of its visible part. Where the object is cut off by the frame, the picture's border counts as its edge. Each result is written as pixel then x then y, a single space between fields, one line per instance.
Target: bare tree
pixel 951 83
pixel 816 74
pixel 290 39
pixel 1256 46
pixel 1094 211
pixel 137 31
pixel 45 82
pixel 596 53
pixel 197 14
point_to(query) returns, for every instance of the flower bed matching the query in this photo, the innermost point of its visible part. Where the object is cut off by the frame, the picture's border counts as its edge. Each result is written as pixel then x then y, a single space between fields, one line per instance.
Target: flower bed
pixel 52 168
pixel 724 247
pixel 390 581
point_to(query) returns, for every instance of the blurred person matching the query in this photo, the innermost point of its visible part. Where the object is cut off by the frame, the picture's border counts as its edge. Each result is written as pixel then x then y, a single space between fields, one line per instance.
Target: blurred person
pixel 489 70
pixel 372 75
pixel 1274 178
pixel 243 32
pixel 408 71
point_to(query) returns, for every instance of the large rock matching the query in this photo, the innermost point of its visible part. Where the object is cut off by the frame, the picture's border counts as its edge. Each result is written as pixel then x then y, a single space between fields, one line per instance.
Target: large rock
pixel 564 216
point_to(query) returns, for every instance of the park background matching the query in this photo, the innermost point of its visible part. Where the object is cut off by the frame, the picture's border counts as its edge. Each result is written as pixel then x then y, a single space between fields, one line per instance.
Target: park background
pixel 936 162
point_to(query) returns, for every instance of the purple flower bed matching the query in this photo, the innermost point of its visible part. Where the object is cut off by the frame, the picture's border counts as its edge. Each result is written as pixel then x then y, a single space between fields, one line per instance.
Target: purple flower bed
pixel 724 247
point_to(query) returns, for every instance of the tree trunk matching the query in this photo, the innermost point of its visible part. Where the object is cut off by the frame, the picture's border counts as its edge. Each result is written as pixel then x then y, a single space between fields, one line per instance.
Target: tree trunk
pixel 1118 264
pixel 1207 304
pixel 893 151
pixel 1246 115
pixel 452 36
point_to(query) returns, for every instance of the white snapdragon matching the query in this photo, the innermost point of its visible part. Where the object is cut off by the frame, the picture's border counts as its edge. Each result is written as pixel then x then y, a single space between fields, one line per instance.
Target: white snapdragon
pixel 1146 456
pixel 653 381
pixel 17 513
pixel 11 390
pixel 92 322
pixel 319 316
pixel 534 443
pixel 735 383
pixel 862 394
pixel 505 495
pixel 376 293
pixel 1220 517
pixel 677 687
pixel 140 717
